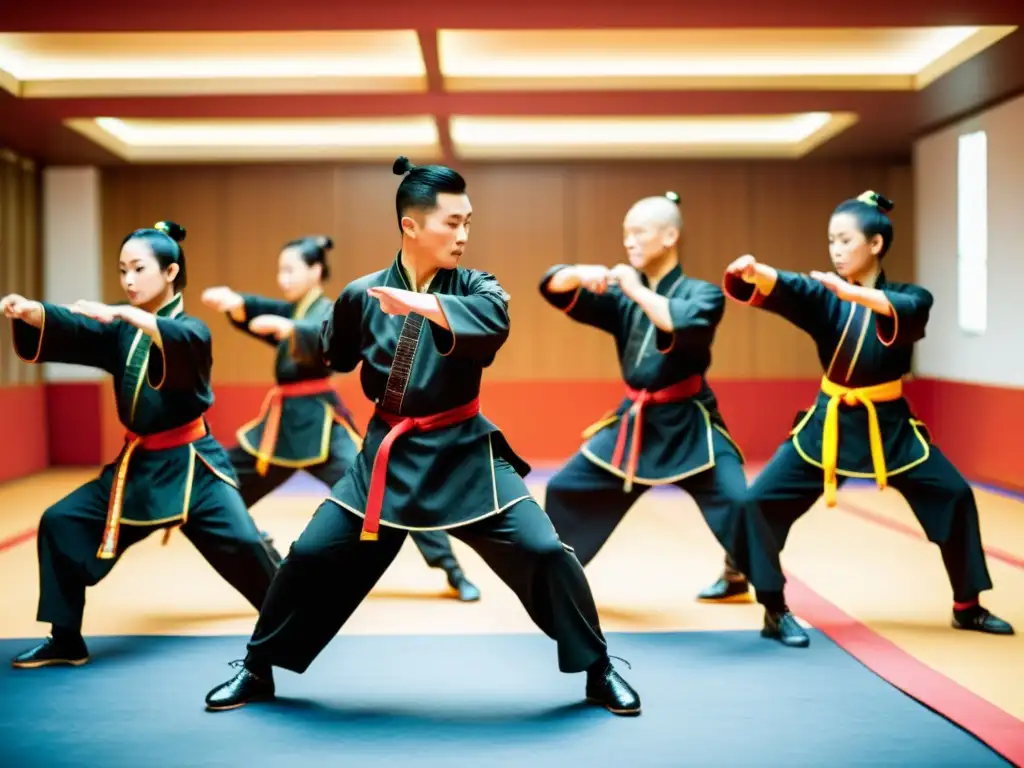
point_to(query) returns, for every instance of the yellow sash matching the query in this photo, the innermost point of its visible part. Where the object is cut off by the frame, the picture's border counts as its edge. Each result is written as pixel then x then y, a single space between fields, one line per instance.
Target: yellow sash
pixel 866 396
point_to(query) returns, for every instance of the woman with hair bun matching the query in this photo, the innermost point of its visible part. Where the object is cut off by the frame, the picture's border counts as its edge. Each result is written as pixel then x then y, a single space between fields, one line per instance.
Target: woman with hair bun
pixel 865 328
pixel 171 471
pixel 303 424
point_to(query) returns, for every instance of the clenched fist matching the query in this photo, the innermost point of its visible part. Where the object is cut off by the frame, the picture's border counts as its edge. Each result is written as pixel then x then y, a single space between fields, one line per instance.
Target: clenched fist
pixel 594 277
pixel 18 307
pixel 745 268
pixel 271 325
pixel 222 299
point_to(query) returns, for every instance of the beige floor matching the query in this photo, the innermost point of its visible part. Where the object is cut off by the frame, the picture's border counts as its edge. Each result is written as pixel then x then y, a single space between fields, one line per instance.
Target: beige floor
pixel 644 580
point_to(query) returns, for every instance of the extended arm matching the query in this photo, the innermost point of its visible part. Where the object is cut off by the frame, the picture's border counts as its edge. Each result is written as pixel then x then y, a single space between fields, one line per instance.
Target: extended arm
pixel 242 308
pixel 798 298
pixel 141 319
pixel 474 325
pixel 680 322
pixel 580 290
pixel 907 315
pixel 686 322
pixel 336 340
pixel 653 304
pixel 49 333
pixel 254 306
pixel 901 311
pixel 183 356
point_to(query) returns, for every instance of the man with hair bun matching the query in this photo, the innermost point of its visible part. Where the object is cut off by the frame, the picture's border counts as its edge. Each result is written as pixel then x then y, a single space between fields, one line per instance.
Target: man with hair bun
pixel 667 430
pixel 424 329
pixel 303 424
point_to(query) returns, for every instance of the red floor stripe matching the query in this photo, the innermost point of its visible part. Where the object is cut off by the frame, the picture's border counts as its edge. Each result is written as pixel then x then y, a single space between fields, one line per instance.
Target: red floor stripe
pixel 16 539
pixel 999 729
pixel 894 525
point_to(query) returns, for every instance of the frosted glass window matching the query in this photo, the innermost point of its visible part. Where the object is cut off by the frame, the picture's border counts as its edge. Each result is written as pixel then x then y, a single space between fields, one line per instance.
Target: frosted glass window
pixel 972 232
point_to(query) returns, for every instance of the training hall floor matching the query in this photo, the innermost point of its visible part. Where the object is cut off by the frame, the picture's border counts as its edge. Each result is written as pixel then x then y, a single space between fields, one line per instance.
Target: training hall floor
pixel 416 675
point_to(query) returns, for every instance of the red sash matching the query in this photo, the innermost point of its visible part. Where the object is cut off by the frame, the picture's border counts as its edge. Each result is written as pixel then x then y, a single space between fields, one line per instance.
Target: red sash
pixel 675 393
pixel 399 426
pixel 160 441
pixel 272 405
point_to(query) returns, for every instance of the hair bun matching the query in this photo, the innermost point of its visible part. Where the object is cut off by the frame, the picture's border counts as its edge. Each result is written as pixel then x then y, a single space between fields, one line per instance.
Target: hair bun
pixel 673 196
pixel 174 231
pixel 881 202
pixel 323 242
pixel 402 166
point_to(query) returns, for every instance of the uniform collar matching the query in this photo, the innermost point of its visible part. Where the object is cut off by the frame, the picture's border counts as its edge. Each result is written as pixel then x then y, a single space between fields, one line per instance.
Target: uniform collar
pixel 880 281
pixel 404 279
pixel 667 282
pixel 306 302
pixel 172 308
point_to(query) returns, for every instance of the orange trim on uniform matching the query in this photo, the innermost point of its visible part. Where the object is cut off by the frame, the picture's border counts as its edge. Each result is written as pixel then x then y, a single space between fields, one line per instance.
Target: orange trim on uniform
pixel 399 426
pixel 732 285
pixel 675 393
pixel 271 409
pixel 895 328
pixel 39 346
pixel 575 298
pixel 160 441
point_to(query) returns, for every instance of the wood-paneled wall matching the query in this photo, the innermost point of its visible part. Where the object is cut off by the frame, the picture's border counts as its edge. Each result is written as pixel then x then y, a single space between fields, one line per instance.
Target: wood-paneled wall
pixel 24 449
pixel 20 261
pixel 527 217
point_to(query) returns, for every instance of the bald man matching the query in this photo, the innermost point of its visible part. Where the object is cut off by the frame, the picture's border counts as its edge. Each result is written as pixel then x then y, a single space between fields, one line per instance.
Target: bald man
pixel 667 430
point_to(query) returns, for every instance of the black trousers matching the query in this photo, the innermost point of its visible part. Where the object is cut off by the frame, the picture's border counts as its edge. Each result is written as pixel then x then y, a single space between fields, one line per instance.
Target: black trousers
pixel 329 572
pixel 586 503
pixel 218 525
pixel 938 494
pixel 435 546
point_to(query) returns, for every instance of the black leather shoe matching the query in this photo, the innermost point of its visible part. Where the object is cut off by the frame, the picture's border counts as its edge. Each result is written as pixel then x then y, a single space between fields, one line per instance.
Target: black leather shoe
pixel 610 690
pixel 728 589
pixel 978 619
pixel 468 591
pixel 50 653
pixel 783 626
pixel 268 542
pixel 243 688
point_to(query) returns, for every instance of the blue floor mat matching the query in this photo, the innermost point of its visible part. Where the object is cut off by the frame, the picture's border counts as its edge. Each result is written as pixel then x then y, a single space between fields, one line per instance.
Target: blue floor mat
pixel 710 699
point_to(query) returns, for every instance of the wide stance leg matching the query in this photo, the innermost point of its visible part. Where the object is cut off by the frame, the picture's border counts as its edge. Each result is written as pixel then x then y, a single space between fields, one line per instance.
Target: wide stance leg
pixel 321 582
pixel 586 504
pixel 722 497
pixel 944 504
pixel 435 546
pixel 786 489
pixel 69 536
pixel 342 456
pixel 253 486
pixel 298 619
pixel 522 547
pixel 220 527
